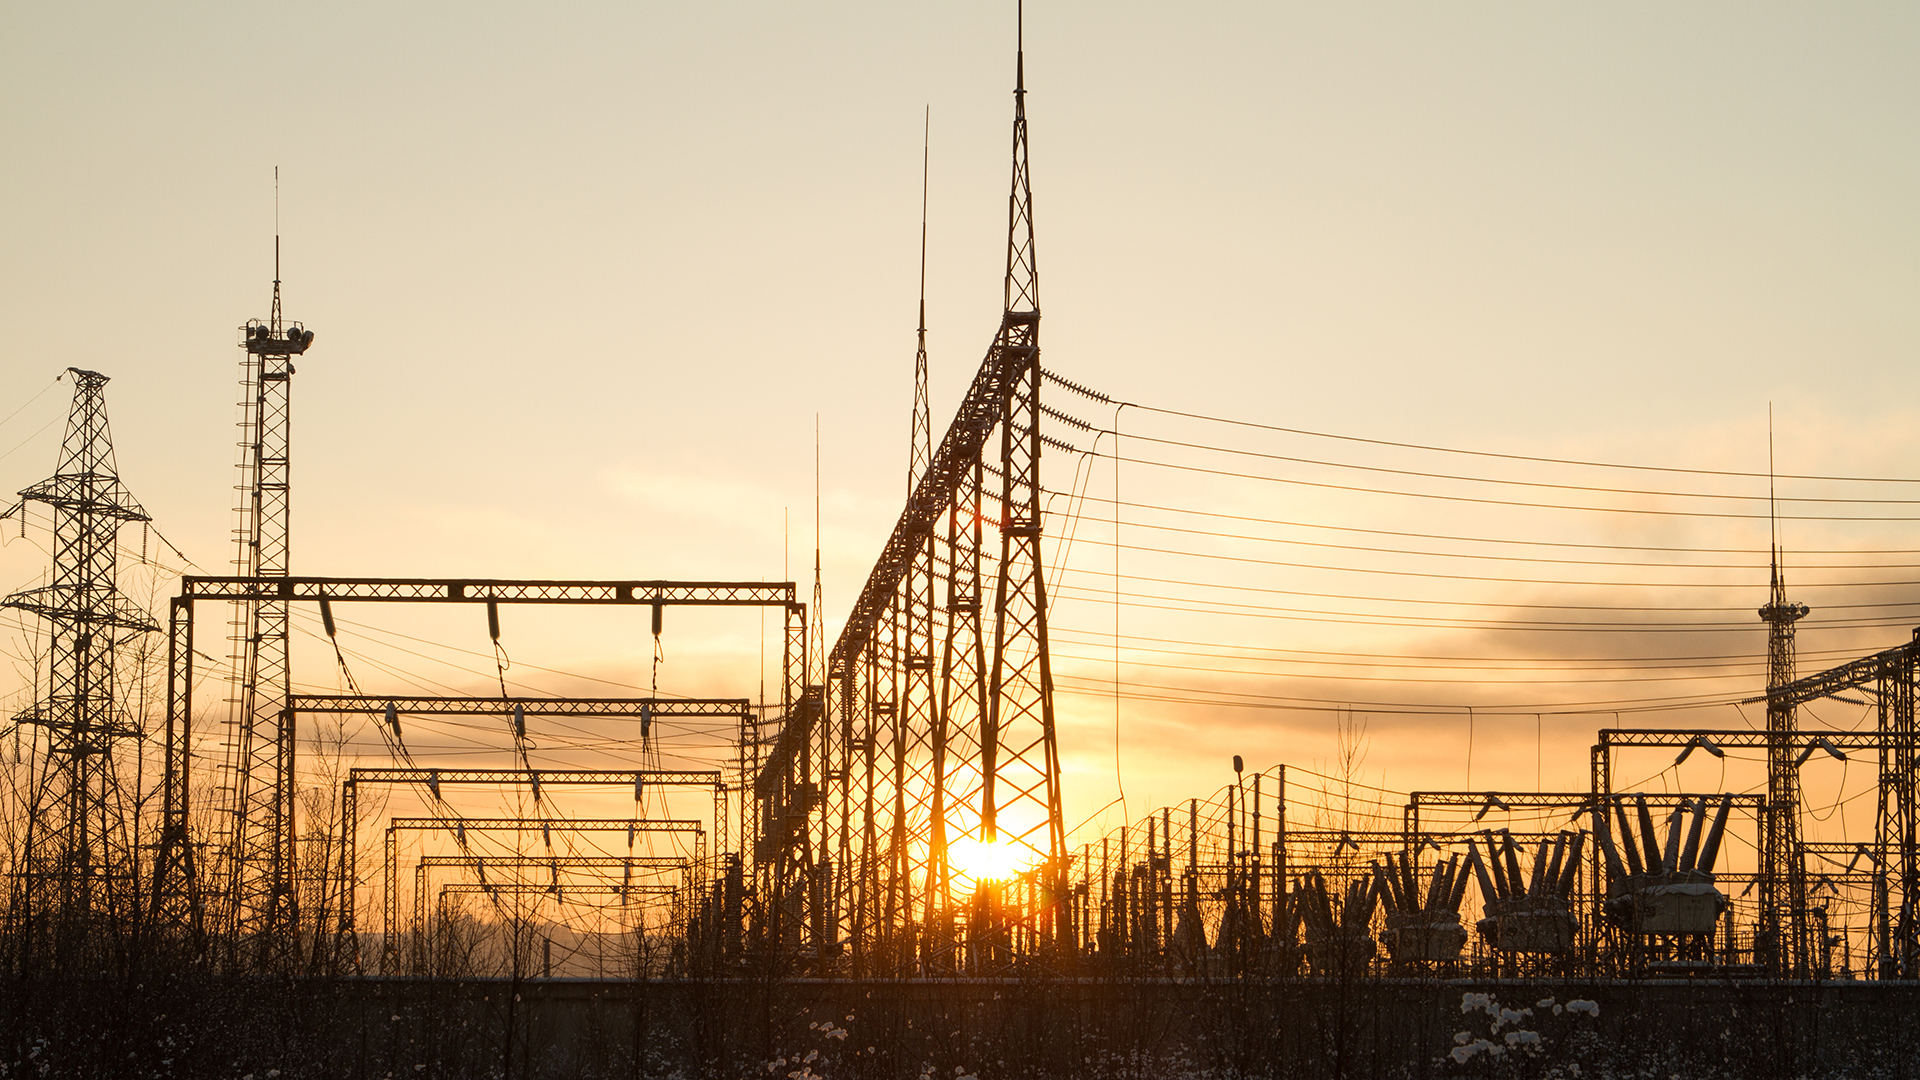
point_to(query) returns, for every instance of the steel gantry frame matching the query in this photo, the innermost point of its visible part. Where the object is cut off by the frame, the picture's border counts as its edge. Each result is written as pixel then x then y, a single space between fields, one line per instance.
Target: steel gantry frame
pixel 1890 676
pixel 78 863
pixel 652 865
pixel 919 762
pixel 1595 927
pixel 431 780
pixel 458 827
pixel 644 709
pixel 178 898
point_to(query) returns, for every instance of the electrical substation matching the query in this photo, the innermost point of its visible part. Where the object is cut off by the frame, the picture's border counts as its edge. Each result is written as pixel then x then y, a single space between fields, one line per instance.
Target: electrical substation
pixel 892 814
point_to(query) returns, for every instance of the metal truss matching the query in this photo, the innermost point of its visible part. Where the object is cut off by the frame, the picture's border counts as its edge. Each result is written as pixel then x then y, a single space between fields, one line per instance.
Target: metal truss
pixel 431 781
pixel 1891 675
pixel 458 828
pixel 178 898
pixel 494 591
pixel 1575 801
pixel 1782 943
pixel 652 866
pixel 77 853
pixel 942 724
pixel 636 708
pixel 1896 854
pixel 258 849
pixel 457 887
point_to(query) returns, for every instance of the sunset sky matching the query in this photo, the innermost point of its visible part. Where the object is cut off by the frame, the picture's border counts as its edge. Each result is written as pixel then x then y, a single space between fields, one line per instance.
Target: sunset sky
pixel 584 275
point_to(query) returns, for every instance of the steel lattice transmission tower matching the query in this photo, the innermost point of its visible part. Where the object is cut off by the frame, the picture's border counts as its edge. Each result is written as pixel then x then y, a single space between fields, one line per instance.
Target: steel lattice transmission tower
pixel 929 763
pixel 78 873
pixel 1783 900
pixel 1020 761
pixel 260 848
pixel 917 897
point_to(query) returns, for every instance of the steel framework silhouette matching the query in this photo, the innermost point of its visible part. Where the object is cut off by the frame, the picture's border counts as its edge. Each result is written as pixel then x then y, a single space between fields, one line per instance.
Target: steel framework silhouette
pixel 923 754
pixel 79 864
pixel 259 846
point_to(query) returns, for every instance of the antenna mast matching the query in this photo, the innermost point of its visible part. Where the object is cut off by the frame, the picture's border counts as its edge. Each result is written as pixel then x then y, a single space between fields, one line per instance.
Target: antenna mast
pixel 1783 900
pixel 260 835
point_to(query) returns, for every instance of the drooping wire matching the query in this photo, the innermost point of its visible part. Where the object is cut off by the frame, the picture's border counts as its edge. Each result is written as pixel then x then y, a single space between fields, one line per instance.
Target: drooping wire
pixel 1106 400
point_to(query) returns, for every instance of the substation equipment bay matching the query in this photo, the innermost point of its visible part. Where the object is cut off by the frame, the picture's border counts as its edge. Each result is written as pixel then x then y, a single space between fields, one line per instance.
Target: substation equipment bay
pixel 827 845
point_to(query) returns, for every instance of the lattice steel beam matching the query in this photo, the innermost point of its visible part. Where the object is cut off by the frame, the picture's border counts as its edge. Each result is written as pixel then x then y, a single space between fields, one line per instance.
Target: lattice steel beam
pixel 176 891
pixel 497 591
pixel 636 708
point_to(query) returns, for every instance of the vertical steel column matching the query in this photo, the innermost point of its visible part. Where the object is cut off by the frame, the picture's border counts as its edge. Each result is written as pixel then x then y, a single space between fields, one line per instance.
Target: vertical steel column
pixel 1894 856
pixel 175 900
pixel 349 932
pixel 917 707
pixel 961 711
pixel 390 932
pixel 261 860
pixel 1783 898
pixel 1021 803
pixel 1280 854
pixel 1254 907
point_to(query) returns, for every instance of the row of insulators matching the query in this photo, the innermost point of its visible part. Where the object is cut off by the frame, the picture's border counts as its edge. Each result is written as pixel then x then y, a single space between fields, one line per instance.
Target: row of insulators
pixel 1555 866
pixel 546 832
pixel 1398 882
pixel 1691 845
pixel 1644 854
pixel 519 732
pixel 626 872
pixel 1316 904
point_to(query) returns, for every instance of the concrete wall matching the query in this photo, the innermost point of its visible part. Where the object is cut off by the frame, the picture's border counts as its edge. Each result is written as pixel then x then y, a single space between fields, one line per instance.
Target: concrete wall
pixel 800 1029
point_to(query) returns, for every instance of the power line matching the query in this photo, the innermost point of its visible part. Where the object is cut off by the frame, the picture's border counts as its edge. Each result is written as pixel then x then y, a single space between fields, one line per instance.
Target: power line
pixel 1531 661
pixel 1506 558
pixel 1107 400
pixel 1642 511
pixel 1598 489
pixel 1487 577
pixel 1363 619
pixel 1200 696
pixel 1515 541
pixel 1499 605
pixel 1609 680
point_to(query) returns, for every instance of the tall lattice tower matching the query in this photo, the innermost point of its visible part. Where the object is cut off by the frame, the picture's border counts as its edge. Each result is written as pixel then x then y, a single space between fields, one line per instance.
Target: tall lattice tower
pixel 78 880
pixel 260 837
pixel 960 712
pixel 917 869
pixel 1020 761
pixel 954 778
pixel 1783 882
